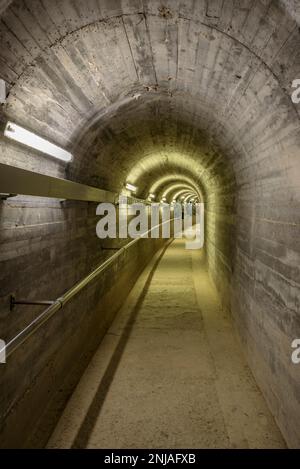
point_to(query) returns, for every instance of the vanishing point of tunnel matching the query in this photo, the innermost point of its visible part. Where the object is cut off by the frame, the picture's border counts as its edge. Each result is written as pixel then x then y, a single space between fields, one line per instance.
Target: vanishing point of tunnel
pixel 129 116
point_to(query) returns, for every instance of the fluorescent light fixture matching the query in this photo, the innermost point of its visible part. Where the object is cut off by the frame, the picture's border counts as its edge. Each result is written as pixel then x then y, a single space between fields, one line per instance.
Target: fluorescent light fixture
pixel 21 135
pixel 151 196
pixel 131 187
pixel 2 91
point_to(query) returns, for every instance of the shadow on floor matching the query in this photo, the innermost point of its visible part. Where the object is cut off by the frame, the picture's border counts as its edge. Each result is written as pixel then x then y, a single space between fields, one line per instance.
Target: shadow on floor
pixel 91 417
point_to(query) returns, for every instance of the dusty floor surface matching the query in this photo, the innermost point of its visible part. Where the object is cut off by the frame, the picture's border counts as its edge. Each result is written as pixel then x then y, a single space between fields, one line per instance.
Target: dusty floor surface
pixel 170 373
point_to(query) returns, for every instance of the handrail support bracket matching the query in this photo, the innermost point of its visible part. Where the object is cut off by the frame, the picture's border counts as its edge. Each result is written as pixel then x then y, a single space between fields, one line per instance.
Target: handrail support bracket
pixel 14 302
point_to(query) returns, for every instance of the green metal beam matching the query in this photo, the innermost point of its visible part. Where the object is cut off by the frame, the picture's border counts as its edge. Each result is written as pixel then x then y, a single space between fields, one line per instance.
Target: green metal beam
pixel 17 181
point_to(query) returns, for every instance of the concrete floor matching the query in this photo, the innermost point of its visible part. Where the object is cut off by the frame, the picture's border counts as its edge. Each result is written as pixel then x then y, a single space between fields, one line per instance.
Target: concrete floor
pixel 170 372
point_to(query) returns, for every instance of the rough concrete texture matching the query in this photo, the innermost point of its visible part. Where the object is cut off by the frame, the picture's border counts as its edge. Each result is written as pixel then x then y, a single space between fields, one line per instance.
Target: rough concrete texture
pixel 170 372
pixel 178 92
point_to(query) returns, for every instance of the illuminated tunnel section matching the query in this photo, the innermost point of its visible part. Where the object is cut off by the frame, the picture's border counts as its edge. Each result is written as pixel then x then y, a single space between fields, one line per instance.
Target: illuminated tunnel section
pixel 184 99
pixel 156 167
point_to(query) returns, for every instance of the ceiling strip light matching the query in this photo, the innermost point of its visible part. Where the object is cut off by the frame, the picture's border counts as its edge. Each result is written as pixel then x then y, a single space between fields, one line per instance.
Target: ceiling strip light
pixel 21 135
pixel 2 91
pixel 131 187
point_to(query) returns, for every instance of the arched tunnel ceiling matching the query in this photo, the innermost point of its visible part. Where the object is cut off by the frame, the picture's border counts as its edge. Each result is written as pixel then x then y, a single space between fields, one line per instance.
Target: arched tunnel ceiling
pixel 165 185
pixel 141 89
pixel 171 190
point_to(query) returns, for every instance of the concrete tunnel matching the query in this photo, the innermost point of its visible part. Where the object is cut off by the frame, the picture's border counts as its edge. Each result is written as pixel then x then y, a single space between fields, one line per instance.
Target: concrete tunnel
pixel 166 347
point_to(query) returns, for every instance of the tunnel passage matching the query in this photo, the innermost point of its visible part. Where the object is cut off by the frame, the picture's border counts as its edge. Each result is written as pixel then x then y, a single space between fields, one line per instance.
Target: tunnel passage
pixel 155 94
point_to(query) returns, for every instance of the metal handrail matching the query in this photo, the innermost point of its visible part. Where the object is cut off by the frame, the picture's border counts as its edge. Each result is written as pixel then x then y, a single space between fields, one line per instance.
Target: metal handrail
pixel 58 304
